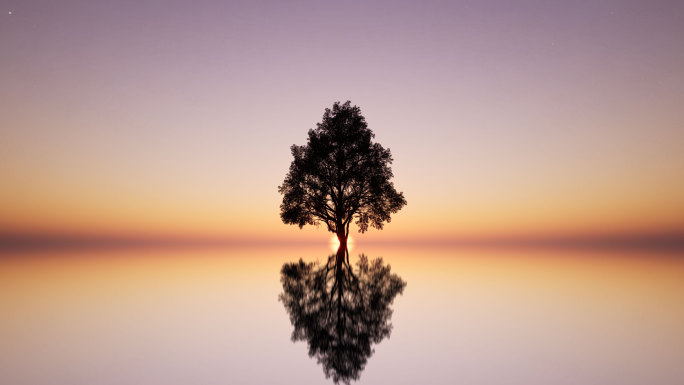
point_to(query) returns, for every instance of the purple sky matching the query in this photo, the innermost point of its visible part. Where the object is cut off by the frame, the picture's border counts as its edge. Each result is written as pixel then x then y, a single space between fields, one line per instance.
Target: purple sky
pixel 502 116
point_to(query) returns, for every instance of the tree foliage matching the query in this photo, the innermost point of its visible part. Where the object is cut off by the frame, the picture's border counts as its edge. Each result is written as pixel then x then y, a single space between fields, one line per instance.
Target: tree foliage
pixel 340 175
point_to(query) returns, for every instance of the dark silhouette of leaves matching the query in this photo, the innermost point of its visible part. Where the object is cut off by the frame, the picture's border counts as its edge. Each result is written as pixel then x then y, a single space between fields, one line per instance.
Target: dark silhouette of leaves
pixel 339 312
pixel 339 176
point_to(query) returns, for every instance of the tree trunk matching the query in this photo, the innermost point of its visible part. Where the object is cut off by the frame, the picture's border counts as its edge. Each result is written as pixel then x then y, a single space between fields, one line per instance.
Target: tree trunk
pixel 339 263
pixel 342 249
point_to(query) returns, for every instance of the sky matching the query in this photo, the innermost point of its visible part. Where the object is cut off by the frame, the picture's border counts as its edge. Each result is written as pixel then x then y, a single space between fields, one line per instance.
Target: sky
pixel 506 120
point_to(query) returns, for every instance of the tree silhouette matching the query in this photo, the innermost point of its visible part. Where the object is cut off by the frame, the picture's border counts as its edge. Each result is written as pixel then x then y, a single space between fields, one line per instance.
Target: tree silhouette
pixel 338 176
pixel 340 315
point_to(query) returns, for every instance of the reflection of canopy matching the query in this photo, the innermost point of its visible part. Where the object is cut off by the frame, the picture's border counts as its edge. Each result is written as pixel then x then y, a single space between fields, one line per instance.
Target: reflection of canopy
pixel 338 312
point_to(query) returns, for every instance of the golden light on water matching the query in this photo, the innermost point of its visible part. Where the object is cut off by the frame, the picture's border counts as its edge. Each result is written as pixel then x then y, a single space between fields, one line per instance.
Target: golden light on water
pixel 72 313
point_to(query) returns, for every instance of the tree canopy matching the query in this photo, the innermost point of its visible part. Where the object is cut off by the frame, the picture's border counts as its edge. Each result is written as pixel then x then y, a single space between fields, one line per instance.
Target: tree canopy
pixel 339 176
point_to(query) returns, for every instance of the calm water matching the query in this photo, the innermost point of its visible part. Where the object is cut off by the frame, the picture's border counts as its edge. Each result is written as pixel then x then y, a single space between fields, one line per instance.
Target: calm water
pixel 466 316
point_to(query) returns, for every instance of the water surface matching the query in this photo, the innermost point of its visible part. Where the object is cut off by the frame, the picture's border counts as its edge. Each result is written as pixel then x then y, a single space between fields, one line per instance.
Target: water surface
pixel 212 316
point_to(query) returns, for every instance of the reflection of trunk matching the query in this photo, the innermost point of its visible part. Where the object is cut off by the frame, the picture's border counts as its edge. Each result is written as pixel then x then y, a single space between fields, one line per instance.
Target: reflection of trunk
pixel 339 279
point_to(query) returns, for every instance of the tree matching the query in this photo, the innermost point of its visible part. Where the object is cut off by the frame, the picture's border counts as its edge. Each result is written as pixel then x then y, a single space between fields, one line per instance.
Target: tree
pixel 338 176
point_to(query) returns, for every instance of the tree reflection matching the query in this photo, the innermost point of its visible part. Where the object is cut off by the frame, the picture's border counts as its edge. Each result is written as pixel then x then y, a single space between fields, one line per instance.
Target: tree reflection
pixel 340 312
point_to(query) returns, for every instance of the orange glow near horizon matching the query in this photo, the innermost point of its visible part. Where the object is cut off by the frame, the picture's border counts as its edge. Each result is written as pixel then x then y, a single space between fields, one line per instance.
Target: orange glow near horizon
pixel 335 243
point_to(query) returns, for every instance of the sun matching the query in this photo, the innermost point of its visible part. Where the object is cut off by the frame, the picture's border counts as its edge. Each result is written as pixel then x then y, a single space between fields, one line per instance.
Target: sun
pixel 335 243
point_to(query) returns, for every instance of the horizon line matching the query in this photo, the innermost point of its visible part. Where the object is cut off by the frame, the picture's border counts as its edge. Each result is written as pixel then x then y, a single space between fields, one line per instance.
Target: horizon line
pixel 661 241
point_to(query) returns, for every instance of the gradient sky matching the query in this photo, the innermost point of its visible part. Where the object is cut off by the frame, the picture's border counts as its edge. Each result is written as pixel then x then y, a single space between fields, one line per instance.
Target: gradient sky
pixel 175 118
